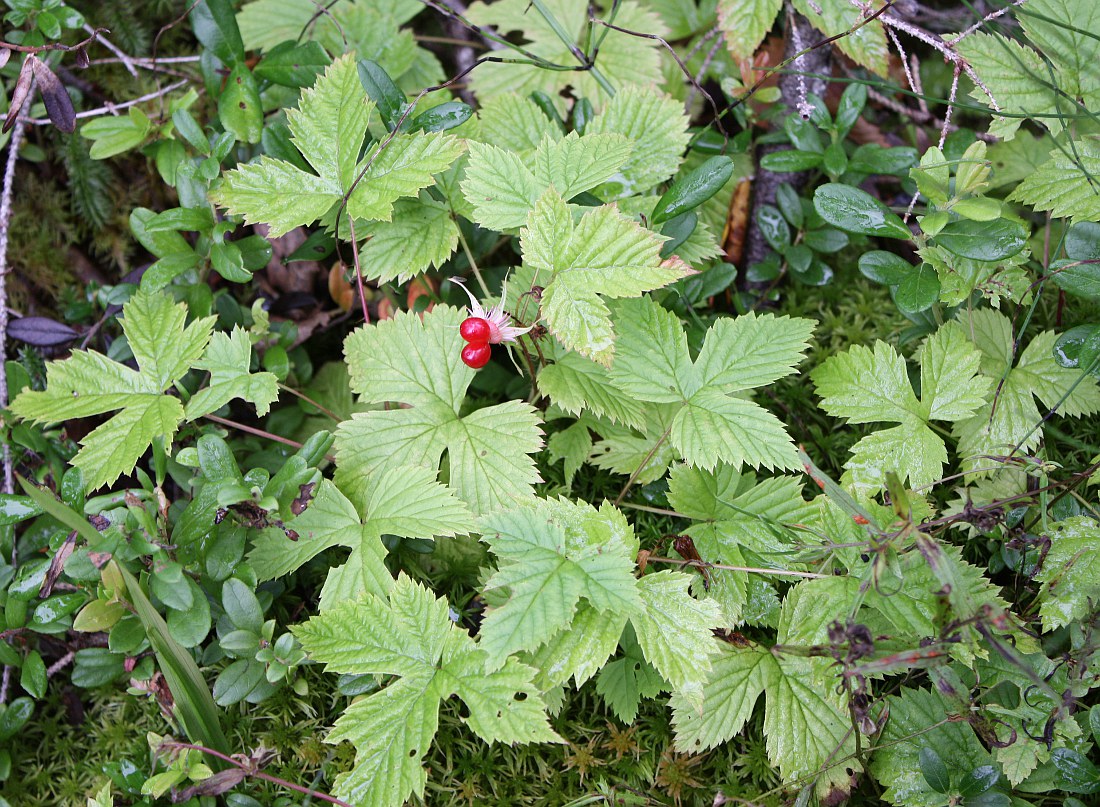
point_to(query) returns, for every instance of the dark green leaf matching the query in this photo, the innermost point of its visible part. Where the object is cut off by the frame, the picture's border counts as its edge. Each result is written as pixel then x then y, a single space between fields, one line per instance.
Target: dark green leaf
pixel 773 227
pixel 1075 772
pixel 709 282
pixel 678 230
pixel 694 188
pixel 1094 723
pixel 790 161
pixel 1080 280
pixel 316 247
pixel 32 677
pixel 934 771
pixel 1083 241
pixel 856 211
pixel 214 24
pixel 803 135
pixel 982 240
pixel 836 160
pixel 388 99
pixel 848 110
pixel 443 117
pixel 276 143
pixel 15 508
pixel 190 131
pixel 817 274
pixel 291 65
pixel 799 257
pixel 790 204
pixel 228 262
pixel 241 606
pixel 48 24
pixel 14 716
pixel 96 667
pixel 872 158
pixel 546 106
pixel 236 681
pixel 582 115
pixel 825 239
pixel 978 781
pixel 239 106
pixel 884 267
pixel 1079 348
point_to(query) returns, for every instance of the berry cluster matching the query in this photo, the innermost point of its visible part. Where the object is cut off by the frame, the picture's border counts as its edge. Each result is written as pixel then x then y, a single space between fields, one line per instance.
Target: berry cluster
pixel 476 331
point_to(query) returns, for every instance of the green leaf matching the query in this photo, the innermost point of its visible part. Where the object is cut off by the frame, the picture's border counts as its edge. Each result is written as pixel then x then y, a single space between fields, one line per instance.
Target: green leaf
pixel 575 383
pixel 388 99
pixel 653 364
pixel 1064 32
pixel 623 59
pixel 405 501
pixel 692 189
pixel 1066 184
pixel 294 66
pixel 328 128
pixel 868 386
pixel 856 211
pixel 115 134
pixel 32 675
pixel 88 383
pixel 1069 573
pixel 1019 80
pixel 656 126
pixel 503 188
pixel 864 42
pixel 918 291
pixel 737 679
pixel 745 23
pixel 934 771
pixel 604 254
pixel 550 555
pixel 239 107
pixel 884 267
pixel 227 359
pixel 981 240
pixel 625 682
pixel 216 28
pixel 422 235
pixel 414 361
pixel 411 636
pixel 194 704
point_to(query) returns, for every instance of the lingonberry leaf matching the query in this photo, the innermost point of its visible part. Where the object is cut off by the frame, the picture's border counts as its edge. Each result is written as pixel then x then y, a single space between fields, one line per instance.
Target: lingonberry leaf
pixel 872 386
pixel 328 128
pixel 604 255
pixel 410 635
pixel 1007 422
pixel 652 363
pixel 404 501
pixel 88 383
pixel 413 361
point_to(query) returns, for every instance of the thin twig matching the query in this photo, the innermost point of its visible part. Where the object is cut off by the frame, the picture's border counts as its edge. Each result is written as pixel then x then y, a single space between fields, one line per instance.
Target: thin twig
pixel 112 109
pixel 5 227
pixel 755 570
pixel 232 424
pixel 127 62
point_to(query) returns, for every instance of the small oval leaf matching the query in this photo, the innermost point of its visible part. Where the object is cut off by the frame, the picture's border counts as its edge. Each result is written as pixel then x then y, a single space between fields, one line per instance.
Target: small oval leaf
pixel 694 188
pixel 856 211
pixel 40 331
pixel 981 240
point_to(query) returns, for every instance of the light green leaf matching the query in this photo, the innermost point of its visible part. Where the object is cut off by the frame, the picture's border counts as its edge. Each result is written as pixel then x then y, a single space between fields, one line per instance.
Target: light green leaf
pixel 1065 185
pixel 227 360
pixel 1065 32
pixel 513 123
pixel 549 556
pixel 1069 574
pixel 866 44
pixel 653 363
pixel 674 632
pixel 414 361
pixel 713 426
pixel 606 254
pixel 623 59
pixel 581 650
pixel 1019 81
pixel 88 383
pixel 572 444
pixel 656 126
pixel 422 235
pixel 737 678
pixel 625 682
pixel 872 386
pixel 503 187
pixel 328 128
pixel 412 636
pixel 752 351
pixel 575 384
pixel 745 23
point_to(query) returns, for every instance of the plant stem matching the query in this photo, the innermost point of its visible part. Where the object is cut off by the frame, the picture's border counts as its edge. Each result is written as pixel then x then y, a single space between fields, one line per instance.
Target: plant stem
pixel 473 263
pixel 5 227
pixel 570 43
pixel 753 569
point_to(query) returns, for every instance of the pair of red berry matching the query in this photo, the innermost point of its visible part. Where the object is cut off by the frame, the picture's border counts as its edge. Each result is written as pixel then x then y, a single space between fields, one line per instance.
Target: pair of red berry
pixel 476 331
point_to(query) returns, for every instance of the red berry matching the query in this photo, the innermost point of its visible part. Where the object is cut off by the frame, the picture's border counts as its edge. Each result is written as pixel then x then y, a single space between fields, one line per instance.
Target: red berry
pixel 475 330
pixel 476 356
